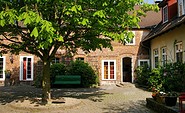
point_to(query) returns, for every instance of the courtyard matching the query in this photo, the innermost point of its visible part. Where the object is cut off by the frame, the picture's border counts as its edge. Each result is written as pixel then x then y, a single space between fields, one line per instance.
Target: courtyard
pixel 124 98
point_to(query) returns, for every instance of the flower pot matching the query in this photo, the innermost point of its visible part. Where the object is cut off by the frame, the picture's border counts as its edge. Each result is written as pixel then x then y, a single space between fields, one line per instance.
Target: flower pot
pixel 170 100
pixel 160 99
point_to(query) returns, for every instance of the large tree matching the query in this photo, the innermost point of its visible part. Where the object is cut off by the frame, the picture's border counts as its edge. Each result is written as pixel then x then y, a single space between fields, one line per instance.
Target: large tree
pixel 41 27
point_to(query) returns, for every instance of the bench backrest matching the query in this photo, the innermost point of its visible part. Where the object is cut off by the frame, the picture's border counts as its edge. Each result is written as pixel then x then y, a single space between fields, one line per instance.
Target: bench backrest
pixel 67 79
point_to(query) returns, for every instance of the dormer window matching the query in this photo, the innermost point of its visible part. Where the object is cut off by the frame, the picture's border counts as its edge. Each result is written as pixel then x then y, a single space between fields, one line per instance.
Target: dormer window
pixel 165 14
pixel 131 41
pixel 181 7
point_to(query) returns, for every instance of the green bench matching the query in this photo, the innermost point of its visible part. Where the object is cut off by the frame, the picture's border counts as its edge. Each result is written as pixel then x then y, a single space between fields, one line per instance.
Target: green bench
pixel 67 79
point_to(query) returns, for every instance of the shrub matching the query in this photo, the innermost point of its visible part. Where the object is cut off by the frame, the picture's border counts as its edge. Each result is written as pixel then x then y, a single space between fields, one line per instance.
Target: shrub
pixel 167 79
pixel 174 79
pixel 88 75
pixel 57 69
pixel 142 73
pixel 156 79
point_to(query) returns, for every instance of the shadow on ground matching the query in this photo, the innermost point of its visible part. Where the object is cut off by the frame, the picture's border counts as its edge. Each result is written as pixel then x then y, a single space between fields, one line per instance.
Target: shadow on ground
pixel 20 93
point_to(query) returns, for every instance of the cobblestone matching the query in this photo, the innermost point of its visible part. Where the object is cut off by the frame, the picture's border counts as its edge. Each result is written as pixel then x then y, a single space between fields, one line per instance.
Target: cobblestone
pixel 106 99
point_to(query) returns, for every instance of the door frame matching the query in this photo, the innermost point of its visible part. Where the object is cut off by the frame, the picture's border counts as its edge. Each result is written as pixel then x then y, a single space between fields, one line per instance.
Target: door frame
pixel 132 68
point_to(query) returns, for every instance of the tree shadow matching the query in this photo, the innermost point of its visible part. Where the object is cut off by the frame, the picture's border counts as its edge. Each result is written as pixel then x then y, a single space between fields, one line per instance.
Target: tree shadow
pixel 18 93
pixel 128 107
pixel 25 92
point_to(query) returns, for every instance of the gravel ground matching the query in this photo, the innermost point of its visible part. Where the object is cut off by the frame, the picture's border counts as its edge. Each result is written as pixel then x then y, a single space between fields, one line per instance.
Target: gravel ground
pixel 106 99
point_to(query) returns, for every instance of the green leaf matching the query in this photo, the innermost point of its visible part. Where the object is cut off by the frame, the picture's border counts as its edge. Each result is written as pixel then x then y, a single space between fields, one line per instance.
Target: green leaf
pixel 85 21
pixel 34 32
pixel 2 23
pixel 99 14
pixel 27 21
pixel 74 9
pixel 60 38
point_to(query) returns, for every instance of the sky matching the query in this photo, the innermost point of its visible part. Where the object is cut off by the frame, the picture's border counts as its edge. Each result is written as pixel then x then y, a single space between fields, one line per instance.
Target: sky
pixel 149 1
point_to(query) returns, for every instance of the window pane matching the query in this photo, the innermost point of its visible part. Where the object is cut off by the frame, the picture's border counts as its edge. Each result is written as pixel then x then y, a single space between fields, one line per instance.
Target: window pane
pixel 1 67
pixel 29 68
pixel 111 70
pixel 105 70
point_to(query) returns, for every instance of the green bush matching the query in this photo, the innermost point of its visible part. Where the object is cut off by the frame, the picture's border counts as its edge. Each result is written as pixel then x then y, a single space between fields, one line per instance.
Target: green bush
pixel 57 69
pixel 88 75
pixel 142 73
pixel 156 79
pixel 174 79
pixel 167 79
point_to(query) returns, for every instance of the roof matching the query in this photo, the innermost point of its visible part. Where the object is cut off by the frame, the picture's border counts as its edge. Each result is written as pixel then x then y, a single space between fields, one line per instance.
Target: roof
pixel 164 27
pixel 152 18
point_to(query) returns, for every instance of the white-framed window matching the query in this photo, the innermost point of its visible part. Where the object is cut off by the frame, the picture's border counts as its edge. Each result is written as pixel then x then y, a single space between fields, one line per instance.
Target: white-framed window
pixel 26 68
pixel 165 13
pixel 80 58
pixel 163 56
pixel 108 69
pixel 143 62
pixel 179 52
pixel 2 68
pixel 55 60
pixel 156 58
pixel 181 7
pixel 132 41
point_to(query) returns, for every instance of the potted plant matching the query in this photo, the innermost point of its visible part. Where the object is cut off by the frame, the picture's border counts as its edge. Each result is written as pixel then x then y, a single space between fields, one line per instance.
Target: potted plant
pixel 158 96
pixel 171 99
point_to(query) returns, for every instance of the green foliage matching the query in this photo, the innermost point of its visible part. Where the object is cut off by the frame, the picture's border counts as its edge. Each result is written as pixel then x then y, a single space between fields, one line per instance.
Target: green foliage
pixel 174 79
pixel 57 69
pixel 143 74
pixel 80 22
pixel 88 75
pixel 156 79
pixel 47 25
pixel 166 79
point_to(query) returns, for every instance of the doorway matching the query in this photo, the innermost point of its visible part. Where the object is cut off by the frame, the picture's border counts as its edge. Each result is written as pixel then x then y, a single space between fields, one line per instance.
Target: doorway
pixel 127 69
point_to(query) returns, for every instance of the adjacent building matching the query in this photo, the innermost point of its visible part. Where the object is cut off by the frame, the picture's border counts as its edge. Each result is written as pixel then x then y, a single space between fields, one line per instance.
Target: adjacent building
pixel 167 40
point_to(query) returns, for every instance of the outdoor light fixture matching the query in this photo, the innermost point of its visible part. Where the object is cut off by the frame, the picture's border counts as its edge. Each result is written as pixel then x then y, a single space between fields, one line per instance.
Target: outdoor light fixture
pixel 11 58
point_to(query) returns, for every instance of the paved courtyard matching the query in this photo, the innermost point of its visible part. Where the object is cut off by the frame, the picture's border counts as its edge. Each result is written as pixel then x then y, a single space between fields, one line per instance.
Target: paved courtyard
pixel 106 99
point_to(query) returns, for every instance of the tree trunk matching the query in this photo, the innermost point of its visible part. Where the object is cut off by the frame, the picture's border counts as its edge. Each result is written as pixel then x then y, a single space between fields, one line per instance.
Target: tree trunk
pixel 46 93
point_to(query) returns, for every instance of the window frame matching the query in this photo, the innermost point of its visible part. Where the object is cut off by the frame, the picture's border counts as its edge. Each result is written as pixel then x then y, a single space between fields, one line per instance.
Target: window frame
pixel 80 58
pixel 163 55
pixel 108 69
pixel 133 39
pixel 165 14
pixel 143 60
pixel 21 69
pixel 55 60
pixel 156 56
pixel 177 51
pixel 181 7
pixel 4 64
